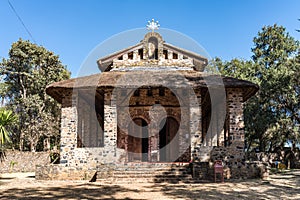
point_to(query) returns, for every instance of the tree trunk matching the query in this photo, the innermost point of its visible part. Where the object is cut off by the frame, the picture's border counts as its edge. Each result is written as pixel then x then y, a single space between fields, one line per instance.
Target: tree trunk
pixel 21 144
pixel 271 147
pixel 261 145
pixel 32 147
pixel 249 144
pixel 46 144
pixel 293 145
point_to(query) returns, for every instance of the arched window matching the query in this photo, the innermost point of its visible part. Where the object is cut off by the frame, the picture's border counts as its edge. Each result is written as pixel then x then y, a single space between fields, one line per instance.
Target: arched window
pixel 153 48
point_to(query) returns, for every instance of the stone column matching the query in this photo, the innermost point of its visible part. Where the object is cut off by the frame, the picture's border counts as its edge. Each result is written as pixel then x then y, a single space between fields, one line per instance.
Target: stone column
pixel 170 54
pixel 68 128
pixel 110 127
pixel 195 124
pixel 236 117
pixel 86 124
pixel 154 143
pixel 136 55
pixel 125 56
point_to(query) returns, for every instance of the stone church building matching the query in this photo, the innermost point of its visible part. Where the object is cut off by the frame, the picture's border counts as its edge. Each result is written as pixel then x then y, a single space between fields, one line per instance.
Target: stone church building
pixel 152 105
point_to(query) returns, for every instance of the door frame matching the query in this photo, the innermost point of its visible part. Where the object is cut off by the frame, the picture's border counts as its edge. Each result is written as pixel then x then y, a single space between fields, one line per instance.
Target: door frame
pixel 168 150
pixel 142 147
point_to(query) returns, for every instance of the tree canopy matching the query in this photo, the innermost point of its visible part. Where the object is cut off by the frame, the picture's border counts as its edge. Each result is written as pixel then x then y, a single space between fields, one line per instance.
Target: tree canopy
pixel 26 73
pixel 272 115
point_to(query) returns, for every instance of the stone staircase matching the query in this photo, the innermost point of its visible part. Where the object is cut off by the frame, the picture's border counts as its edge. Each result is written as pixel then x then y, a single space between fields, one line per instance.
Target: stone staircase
pixel 145 173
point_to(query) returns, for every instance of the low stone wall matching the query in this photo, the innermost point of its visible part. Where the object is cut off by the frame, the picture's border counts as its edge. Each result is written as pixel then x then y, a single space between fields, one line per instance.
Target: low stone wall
pixel 291 159
pixel 62 172
pixel 18 161
pixel 235 164
pixel 205 171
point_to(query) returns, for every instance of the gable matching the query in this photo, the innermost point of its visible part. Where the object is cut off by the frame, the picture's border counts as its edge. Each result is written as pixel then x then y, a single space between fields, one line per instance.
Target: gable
pixel 152 53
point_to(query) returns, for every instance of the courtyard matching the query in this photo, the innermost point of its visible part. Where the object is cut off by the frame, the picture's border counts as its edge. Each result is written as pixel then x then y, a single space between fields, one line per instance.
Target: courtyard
pixel 282 185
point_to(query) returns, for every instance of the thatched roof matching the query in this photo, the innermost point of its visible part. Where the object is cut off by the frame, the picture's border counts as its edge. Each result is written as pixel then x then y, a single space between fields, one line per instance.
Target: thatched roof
pixel 139 78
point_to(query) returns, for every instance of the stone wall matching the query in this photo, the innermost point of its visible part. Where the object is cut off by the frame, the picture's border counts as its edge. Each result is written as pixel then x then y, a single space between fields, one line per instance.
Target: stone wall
pixel 291 159
pixel 234 162
pixel 61 172
pixel 17 161
pixel 186 113
pixel 195 125
pixel 70 155
pixel 153 105
pixel 141 57
pixel 236 117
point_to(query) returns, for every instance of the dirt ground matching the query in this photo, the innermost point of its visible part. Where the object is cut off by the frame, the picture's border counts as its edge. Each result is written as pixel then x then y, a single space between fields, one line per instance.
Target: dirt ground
pixel 23 186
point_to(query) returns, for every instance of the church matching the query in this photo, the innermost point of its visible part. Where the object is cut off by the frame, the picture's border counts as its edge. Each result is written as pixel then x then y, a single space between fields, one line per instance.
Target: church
pixel 152 105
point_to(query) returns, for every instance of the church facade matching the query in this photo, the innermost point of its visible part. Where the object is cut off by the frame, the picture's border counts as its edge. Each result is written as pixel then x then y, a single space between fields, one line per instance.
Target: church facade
pixel 152 104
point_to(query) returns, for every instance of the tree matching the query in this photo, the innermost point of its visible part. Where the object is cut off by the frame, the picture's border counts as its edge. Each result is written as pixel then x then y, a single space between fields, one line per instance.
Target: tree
pixel 272 115
pixel 256 116
pixel 275 53
pixel 7 119
pixel 27 72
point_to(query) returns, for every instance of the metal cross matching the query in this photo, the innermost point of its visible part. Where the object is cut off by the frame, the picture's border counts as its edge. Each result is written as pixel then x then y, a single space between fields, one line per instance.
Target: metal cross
pixel 153 25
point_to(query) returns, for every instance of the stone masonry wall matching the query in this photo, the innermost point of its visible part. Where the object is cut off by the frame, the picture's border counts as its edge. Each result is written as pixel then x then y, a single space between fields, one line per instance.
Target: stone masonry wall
pixel 233 156
pixel 62 172
pixel 68 141
pixel 236 117
pixel 88 158
pixel 195 125
pixel 18 161
pixel 164 58
pixel 235 165
pixel 141 106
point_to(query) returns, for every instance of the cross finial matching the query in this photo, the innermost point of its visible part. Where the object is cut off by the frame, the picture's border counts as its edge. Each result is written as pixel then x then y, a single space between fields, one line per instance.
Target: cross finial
pixel 153 25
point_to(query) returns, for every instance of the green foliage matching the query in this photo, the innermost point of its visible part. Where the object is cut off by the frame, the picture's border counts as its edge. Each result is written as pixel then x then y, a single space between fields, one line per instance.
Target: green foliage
pixel 26 73
pixel 12 165
pixel 272 115
pixel 7 118
pixel 54 157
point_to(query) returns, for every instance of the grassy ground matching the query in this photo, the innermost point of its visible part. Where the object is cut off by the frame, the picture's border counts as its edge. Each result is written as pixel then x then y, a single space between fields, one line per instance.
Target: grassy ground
pixel 280 185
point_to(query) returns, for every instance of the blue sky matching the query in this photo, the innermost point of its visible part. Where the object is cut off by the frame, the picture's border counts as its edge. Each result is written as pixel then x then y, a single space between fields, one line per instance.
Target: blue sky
pixel 73 28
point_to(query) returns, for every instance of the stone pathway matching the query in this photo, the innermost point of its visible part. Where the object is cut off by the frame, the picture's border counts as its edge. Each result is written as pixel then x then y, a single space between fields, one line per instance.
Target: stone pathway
pixel 24 186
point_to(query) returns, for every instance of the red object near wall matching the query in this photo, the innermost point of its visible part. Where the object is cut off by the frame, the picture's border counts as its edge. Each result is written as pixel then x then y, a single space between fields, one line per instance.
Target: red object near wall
pixel 218 168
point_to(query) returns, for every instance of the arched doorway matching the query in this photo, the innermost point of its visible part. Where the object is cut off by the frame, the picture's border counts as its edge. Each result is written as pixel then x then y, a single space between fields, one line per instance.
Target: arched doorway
pixel 168 142
pixel 138 142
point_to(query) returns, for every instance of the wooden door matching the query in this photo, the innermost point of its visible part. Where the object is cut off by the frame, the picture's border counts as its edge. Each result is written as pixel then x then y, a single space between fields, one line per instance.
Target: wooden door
pixel 168 142
pixel 137 141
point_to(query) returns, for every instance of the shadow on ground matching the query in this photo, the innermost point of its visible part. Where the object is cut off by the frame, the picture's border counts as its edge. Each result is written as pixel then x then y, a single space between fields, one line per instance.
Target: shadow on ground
pixel 240 190
pixel 278 187
pixel 82 191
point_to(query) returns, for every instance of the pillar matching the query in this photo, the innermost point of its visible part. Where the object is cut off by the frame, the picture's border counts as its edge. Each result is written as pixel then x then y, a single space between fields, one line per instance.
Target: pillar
pixel 236 117
pixel 68 128
pixel 195 124
pixel 110 127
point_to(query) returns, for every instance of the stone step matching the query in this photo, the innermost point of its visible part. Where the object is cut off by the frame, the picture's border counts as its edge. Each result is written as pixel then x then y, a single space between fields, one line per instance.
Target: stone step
pixel 141 175
pixel 144 172
pixel 128 168
pixel 147 180
pixel 133 172
pixel 132 177
pixel 150 180
pixel 157 175
pixel 148 165
pixel 147 170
